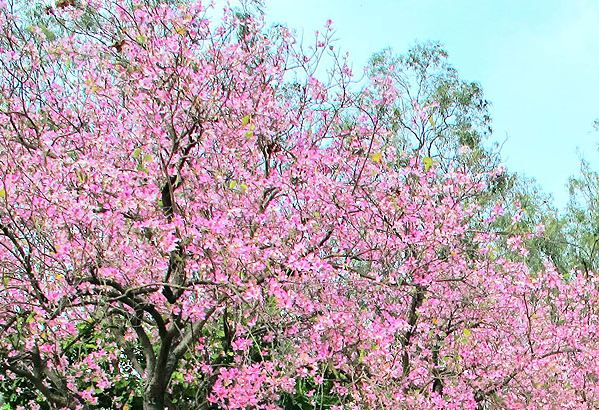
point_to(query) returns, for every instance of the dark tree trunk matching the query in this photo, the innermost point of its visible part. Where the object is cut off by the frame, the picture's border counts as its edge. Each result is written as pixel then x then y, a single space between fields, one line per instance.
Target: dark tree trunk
pixel 154 400
pixel 155 391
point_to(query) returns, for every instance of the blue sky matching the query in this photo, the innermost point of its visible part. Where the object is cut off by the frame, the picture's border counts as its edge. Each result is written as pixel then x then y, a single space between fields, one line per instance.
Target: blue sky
pixel 536 60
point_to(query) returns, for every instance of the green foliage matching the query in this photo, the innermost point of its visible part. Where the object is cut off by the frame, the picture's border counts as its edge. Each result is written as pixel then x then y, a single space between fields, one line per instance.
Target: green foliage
pixel 458 120
pixel 19 392
pixel 569 239
pixel 125 389
pixel 580 223
pixel 310 395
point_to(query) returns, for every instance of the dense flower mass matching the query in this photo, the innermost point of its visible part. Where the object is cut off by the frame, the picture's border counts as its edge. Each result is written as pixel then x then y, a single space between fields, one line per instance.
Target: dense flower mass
pixel 190 218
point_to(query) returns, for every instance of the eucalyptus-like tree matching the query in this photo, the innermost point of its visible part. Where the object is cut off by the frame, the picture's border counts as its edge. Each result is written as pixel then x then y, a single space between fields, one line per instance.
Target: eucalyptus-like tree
pixel 437 113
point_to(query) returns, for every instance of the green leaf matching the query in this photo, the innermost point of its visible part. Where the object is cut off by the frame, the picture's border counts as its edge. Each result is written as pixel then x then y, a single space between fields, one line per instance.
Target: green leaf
pixel 49 34
pixel 431 120
pixel 141 39
pixel 2 193
pixel 136 153
pixel 178 376
pixel 141 168
pixel 246 120
pixel 428 163
pixel 81 177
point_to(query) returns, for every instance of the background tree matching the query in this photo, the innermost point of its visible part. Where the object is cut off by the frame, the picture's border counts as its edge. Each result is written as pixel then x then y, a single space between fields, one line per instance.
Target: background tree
pixel 439 115
pixel 436 114
pixel 575 230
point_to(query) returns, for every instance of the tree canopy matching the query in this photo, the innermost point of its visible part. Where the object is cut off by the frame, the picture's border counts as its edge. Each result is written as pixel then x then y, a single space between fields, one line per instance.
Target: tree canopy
pixel 193 216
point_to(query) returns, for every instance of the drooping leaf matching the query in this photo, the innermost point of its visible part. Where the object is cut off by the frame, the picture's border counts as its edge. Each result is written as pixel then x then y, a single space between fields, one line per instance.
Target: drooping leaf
pixel 431 120
pixel 428 163
pixel 141 39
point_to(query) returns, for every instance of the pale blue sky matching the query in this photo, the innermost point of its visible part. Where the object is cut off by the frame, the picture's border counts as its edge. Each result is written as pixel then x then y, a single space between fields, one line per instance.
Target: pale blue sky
pixel 536 60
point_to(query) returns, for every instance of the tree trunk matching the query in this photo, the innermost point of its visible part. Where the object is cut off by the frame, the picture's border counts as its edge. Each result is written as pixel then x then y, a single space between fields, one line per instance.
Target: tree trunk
pixel 153 403
pixel 154 398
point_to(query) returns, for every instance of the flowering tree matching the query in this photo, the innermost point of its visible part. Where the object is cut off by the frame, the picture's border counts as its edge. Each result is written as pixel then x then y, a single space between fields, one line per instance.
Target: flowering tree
pixel 191 219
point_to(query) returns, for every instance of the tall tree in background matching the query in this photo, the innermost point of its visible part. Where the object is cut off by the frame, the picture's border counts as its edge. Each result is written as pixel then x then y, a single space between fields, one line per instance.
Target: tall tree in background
pixel 190 218
pixel 436 114
pixel 581 221
pixel 439 115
